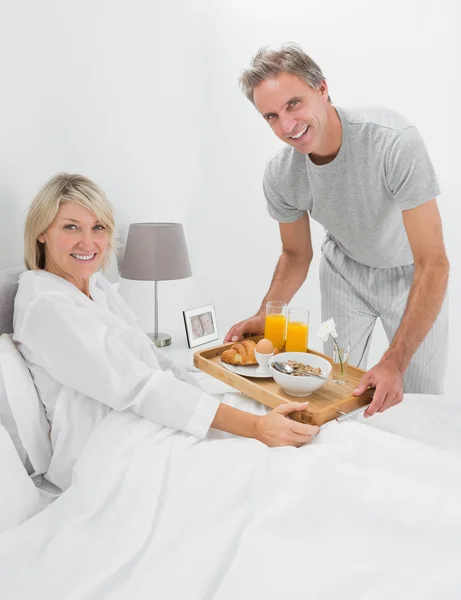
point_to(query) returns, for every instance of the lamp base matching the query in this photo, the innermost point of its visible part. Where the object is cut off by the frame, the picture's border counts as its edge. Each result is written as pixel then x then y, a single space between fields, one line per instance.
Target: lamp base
pixel 161 339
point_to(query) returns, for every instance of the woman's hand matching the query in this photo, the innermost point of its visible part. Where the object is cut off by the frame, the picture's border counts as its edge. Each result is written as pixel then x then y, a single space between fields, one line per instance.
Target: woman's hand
pixel 275 429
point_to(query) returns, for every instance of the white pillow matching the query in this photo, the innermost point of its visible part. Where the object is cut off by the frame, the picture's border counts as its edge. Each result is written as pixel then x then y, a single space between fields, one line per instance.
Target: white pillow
pixel 19 498
pixel 21 412
pixel 8 422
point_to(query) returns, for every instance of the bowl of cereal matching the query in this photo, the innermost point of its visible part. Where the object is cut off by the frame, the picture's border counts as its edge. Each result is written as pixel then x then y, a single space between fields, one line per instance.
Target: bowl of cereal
pixel 309 373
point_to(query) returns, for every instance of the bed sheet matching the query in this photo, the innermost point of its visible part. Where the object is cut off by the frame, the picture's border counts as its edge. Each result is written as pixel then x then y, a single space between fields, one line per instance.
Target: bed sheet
pixel 365 512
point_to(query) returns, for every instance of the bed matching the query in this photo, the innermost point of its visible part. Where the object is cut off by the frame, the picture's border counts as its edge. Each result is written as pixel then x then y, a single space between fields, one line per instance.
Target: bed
pixel 25 449
pixel 8 287
pixel 371 510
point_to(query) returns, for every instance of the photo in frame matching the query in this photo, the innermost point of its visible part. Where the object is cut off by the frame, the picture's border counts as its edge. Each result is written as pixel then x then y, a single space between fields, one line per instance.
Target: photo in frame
pixel 201 325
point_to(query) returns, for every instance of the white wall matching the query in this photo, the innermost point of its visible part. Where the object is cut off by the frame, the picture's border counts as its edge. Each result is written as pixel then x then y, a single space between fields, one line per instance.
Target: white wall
pixel 143 98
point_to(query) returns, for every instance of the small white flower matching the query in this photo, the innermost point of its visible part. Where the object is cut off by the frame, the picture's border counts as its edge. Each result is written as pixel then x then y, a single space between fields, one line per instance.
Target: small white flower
pixel 327 328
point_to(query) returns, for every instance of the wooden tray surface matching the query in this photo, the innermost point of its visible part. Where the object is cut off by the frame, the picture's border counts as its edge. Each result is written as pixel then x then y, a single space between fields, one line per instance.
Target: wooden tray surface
pixel 325 404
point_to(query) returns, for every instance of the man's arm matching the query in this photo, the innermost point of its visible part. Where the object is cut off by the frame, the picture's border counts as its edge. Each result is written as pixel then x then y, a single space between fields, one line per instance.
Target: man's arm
pixel 289 275
pixel 294 262
pixel 430 280
pixel 429 286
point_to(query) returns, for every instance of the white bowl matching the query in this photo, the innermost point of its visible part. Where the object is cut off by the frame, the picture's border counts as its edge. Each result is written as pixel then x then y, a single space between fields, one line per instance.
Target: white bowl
pixel 300 386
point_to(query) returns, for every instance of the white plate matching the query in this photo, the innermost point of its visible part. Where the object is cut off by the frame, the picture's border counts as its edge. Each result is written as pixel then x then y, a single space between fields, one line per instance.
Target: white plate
pixel 246 371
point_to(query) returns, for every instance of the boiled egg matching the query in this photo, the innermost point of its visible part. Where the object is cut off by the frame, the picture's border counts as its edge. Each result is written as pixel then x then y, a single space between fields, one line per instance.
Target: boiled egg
pixel 264 346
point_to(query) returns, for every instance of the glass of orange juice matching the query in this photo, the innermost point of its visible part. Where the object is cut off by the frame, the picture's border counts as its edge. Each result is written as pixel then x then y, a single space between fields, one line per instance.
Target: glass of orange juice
pixel 297 330
pixel 276 321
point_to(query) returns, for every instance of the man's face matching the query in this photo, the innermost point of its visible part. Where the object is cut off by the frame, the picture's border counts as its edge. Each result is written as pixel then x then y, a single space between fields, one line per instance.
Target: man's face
pixel 296 112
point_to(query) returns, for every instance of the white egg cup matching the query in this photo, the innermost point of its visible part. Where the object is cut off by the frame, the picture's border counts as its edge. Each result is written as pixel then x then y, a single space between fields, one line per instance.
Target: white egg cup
pixel 263 362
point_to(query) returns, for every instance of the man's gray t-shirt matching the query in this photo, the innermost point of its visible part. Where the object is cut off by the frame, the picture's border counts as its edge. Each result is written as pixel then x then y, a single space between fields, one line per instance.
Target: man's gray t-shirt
pixel 381 169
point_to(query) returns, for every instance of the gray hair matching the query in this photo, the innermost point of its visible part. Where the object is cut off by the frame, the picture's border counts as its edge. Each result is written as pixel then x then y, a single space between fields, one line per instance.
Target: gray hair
pixel 269 63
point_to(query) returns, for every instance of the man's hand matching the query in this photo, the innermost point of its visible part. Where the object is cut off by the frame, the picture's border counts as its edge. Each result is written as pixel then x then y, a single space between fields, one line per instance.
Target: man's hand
pixel 387 379
pixel 253 325
pixel 275 429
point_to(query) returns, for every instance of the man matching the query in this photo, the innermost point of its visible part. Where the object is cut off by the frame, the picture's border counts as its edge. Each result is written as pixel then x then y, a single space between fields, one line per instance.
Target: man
pixel 365 175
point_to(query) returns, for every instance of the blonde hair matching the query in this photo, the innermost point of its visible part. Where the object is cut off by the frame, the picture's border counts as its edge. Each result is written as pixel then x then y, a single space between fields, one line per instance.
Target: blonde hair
pixel 269 63
pixel 43 210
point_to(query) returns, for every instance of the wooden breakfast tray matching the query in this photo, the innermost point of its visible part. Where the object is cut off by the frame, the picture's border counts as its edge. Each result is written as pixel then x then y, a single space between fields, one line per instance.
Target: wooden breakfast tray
pixel 325 404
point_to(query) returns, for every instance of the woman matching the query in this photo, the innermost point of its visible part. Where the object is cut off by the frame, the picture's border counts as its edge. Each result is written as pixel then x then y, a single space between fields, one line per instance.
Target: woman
pixel 84 348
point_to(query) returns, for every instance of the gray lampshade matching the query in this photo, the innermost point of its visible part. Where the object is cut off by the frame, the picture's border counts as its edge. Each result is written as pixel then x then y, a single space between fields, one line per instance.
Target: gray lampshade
pixel 155 252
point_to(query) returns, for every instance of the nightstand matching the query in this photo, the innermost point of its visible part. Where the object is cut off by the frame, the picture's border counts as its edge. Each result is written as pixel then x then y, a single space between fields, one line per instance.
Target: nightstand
pixel 180 353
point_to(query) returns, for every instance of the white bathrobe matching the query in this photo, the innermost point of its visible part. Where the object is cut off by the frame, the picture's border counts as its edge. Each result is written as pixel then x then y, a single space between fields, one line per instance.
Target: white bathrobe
pixel 88 357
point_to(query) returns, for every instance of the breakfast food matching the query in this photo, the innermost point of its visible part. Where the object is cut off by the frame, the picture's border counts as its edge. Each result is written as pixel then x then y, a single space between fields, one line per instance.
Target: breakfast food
pixel 243 353
pixel 264 346
pixel 301 369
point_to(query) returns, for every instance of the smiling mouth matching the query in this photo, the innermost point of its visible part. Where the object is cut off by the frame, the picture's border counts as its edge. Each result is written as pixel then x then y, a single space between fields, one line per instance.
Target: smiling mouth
pixel 299 135
pixel 84 257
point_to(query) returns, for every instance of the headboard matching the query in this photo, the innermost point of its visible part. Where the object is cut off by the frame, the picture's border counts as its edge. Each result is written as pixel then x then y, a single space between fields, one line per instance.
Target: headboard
pixel 8 288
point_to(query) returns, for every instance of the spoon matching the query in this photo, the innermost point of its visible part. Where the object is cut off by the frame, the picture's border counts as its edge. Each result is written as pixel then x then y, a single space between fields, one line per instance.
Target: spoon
pixel 287 370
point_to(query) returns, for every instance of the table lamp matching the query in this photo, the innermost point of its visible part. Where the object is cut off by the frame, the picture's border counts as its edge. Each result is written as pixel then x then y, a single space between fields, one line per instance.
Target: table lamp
pixel 156 252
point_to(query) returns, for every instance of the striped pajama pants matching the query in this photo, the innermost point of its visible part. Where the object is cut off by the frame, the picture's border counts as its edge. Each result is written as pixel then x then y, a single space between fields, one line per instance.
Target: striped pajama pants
pixel 355 295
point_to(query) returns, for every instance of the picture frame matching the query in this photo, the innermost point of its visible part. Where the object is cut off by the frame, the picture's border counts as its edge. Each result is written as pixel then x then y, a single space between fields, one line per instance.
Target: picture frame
pixel 201 325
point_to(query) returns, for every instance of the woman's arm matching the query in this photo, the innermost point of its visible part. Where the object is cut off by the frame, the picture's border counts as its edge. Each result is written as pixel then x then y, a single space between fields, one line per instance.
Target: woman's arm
pixel 91 353
pixel 273 429
pixel 166 364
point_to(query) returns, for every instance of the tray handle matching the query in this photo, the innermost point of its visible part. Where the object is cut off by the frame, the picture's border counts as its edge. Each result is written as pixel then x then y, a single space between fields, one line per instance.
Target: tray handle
pixel 342 416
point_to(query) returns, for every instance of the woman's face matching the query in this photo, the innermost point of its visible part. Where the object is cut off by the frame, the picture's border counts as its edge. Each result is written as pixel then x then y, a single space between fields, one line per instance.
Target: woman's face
pixel 75 243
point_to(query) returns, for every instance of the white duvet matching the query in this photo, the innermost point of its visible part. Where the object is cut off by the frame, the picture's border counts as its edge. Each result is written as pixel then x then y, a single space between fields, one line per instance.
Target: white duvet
pixel 362 513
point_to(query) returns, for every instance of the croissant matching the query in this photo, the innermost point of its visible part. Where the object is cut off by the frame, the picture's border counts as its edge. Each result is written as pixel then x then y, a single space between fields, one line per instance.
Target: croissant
pixel 241 353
